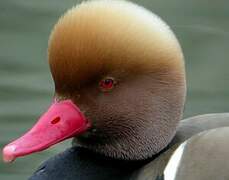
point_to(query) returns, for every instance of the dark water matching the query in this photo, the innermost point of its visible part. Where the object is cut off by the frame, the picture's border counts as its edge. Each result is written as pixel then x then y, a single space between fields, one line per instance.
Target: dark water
pixel 26 87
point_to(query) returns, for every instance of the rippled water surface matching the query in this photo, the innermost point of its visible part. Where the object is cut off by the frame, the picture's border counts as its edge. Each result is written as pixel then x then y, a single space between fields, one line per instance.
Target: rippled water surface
pixel 26 87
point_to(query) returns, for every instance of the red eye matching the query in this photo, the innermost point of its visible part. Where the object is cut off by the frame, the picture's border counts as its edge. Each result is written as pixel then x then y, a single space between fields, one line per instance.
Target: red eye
pixel 106 84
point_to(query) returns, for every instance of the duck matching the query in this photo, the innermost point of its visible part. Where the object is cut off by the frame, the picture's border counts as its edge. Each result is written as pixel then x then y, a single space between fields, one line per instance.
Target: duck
pixel 120 89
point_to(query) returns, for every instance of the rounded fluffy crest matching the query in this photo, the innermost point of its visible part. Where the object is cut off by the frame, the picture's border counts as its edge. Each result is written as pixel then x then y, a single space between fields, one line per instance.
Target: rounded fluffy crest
pixel 97 37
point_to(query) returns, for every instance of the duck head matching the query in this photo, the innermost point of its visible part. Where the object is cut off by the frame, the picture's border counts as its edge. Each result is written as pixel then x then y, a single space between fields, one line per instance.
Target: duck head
pixel 119 83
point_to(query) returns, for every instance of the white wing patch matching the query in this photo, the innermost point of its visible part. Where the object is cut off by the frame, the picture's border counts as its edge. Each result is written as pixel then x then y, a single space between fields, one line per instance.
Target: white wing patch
pixel 174 163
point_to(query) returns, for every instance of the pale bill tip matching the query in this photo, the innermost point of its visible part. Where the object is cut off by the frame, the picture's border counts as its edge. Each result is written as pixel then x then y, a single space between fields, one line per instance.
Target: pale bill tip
pixel 8 153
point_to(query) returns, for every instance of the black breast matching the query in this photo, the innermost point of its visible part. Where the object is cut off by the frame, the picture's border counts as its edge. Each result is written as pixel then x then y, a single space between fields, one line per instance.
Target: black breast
pixel 81 164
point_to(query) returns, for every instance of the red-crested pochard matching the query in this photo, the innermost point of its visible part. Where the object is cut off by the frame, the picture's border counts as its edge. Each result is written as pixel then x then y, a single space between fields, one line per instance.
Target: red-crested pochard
pixel 119 83
pixel 119 91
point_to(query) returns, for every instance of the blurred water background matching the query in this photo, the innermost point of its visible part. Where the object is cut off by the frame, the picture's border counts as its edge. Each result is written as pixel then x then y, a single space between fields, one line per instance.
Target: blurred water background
pixel 26 86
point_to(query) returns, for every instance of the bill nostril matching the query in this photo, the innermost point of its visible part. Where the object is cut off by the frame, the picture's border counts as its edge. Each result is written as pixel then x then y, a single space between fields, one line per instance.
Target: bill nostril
pixel 55 120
